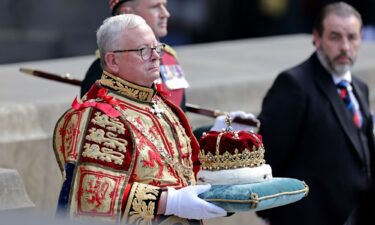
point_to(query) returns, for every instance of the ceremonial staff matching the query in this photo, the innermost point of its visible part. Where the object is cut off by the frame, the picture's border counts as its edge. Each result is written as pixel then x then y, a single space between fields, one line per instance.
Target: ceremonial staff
pixel 189 107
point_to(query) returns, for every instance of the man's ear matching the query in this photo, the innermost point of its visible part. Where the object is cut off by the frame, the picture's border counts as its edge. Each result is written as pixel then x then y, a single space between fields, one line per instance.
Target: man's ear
pixel 125 9
pixel 111 62
pixel 316 39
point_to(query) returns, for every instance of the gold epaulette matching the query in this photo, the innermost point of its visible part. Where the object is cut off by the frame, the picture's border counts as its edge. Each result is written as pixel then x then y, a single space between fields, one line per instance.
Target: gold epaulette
pixel 97 54
pixel 170 50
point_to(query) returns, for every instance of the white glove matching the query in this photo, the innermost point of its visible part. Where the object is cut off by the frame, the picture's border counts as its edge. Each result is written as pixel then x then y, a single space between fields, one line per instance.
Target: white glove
pixel 220 123
pixel 185 203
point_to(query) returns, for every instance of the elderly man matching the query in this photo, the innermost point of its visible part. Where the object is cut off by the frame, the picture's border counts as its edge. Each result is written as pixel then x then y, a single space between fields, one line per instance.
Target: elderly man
pixel 172 82
pixel 127 154
pixel 317 126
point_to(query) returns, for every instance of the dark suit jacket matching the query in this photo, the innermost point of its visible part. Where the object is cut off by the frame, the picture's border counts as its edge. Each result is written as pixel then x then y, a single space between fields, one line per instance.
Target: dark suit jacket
pixel 93 74
pixel 365 214
pixel 309 134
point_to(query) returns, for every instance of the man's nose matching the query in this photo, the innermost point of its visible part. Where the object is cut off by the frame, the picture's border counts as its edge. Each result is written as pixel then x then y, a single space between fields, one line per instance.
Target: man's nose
pixel 155 55
pixel 165 12
pixel 345 44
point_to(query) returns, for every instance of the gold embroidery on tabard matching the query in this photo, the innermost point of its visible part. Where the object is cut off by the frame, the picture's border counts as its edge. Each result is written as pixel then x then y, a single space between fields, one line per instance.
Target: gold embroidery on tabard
pixel 69 132
pixel 143 205
pixel 108 139
pixel 126 88
pixel 105 154
pixel 182 141
pixel 112 124
pixel 107 145
pixel 96 194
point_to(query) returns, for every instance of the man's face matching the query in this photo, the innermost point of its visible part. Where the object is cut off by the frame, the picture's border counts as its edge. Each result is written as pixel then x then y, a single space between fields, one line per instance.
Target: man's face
pixel 155 13
pixel 340 41
pixel 131 66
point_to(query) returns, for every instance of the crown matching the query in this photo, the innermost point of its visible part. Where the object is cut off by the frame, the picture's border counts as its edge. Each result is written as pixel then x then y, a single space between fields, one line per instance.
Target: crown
pixel 230 149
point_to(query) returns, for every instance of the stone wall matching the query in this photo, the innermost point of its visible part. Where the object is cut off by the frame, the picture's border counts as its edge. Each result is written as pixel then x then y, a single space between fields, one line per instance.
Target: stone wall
pixel 42 29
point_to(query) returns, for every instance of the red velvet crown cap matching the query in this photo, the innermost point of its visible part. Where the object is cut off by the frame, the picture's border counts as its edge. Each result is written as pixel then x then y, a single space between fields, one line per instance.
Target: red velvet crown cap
pixel 230 150
pixel 229 141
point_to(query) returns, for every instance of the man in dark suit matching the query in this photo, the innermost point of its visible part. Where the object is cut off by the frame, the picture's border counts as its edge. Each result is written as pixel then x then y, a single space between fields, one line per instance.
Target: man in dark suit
pixel 318 132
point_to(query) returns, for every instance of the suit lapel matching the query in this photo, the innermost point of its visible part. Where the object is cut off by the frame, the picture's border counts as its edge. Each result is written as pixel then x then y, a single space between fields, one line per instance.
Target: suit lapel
pixel 325 83
pixel 361 98
pixel 366 116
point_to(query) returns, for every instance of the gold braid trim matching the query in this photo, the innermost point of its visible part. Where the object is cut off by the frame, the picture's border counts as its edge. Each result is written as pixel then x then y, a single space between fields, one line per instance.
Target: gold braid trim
pixel 254 199
pixel 142 204
pixel 97 54
pixel 126 88
pixel 170 51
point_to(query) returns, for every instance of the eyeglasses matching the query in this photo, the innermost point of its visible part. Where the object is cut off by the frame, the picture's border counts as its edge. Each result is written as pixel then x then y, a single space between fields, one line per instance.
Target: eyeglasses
pixel 145 52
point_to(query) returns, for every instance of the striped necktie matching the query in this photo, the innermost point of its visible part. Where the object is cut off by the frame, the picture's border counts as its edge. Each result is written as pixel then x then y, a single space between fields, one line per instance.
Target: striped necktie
pixel 345 96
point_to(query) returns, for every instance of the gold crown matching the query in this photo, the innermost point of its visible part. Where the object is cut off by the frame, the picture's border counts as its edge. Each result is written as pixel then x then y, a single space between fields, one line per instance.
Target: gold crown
pixel 227 160
pixel 230 149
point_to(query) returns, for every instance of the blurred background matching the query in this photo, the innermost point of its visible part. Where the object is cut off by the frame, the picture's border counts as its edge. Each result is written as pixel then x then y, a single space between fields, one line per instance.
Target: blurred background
pixel 45 29
pixel 54 31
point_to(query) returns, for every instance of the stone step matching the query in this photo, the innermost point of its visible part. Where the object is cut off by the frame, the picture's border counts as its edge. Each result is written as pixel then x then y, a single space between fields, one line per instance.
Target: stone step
pixel 12 191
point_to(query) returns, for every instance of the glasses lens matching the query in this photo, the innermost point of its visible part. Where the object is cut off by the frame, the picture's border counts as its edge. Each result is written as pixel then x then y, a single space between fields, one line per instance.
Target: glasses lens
pixel 146 53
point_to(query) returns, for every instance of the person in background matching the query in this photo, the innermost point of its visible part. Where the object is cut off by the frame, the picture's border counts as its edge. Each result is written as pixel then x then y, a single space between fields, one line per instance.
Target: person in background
pixel 317 126
pixel 127 154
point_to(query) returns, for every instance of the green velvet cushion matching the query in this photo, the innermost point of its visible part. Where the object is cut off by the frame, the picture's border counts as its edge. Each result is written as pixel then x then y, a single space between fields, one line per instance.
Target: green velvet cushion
pixel 257 196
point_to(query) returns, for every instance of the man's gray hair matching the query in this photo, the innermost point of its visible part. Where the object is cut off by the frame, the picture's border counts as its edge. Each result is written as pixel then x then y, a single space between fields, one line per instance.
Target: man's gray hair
pixel 110 35
pixel 341 9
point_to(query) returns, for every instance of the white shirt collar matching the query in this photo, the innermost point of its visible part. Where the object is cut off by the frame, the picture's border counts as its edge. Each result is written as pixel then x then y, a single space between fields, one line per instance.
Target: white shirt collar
pixel 346 76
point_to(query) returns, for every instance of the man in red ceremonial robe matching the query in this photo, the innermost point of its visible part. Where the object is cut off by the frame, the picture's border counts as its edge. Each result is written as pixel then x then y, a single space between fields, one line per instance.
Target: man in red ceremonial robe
pixel 126 153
